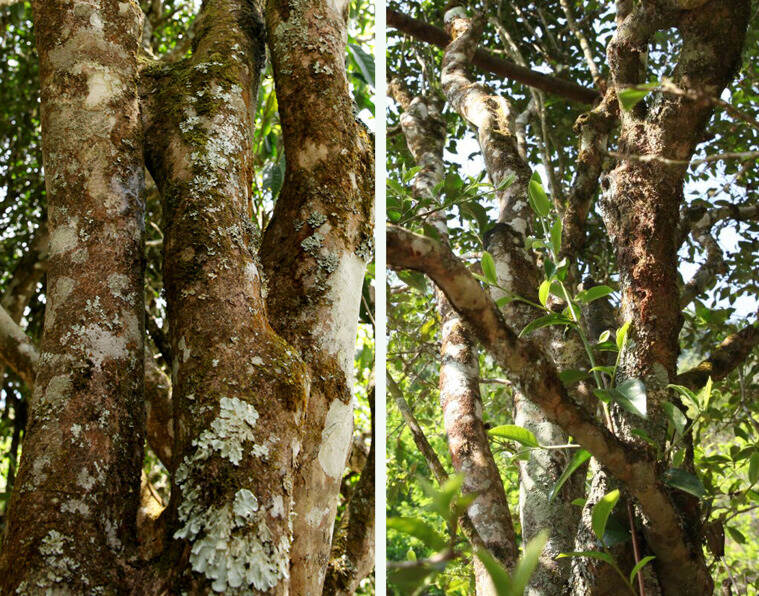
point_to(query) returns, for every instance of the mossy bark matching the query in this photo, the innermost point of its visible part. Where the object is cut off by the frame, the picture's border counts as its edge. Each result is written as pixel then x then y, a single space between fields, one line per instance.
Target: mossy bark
pixel 71 526
pixel 314 253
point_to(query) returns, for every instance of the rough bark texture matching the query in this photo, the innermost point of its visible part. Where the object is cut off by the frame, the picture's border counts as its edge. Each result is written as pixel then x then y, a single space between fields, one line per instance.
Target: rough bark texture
pixel 518 275
pixel 83 447
pixel 314 253
pixel 239 390
pixel 641 205
pixel 460 398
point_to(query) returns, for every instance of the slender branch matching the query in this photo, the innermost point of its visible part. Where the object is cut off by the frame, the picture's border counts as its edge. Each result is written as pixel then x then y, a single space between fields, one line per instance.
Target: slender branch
pixel 697 218
pixel 538 380
pixel 490 63
pixel 708 272
pixel 583 41
pixel 723 359
pixel 16 349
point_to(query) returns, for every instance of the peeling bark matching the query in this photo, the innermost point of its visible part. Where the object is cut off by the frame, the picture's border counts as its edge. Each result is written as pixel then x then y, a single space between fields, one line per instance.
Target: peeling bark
pixel 314 254
pixel 518 275
pixel 460 398
pixel 83 447
pixel 352 557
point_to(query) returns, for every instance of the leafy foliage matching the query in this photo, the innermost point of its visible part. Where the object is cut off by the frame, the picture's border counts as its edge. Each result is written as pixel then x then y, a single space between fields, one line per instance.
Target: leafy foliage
pixel 720 421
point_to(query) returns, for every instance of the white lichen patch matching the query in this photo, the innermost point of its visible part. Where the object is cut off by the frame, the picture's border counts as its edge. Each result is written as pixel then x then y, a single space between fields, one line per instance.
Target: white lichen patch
pixel 59 568
pixel 336 436
pixel 101 86
pixel 39 468
pixel 53 543
pixel 63 288
pixel 232 544
pixel 58 389
pixel 338 6
pixel 104 345
pixel 118 284
pixel 64 238
pixel 85 480
pixel 184 350
pixel 251 273
pixel 75 506
pixel 315 517
pixel 277 507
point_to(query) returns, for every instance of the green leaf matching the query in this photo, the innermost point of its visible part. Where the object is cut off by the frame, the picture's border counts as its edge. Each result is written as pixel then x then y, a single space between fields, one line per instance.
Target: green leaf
pixel 572 376
pixel 418 529
pixel 630 97
pixel 685 481
pixel 488 268
pixel 410 578
pixel 601 512
pixel 504 300
pixel 579 458
pixel 546 321
pixel 414 279
pixel 448 492
pixel 622 335
pixel 594 293
pixel 736 534
pixel 633 399
pixel 498 574
pixel 556 237
pixel 515 433
pixel 506 182
pixel 676 417
pixel 705 395
pixel 685 392
pixel 527 563
pixel 753 468
pixel 640 565
pixel 543 291
pixel 462 503
pixel 539 200
pixel 364 61
pixel 604 336
pixel 410 555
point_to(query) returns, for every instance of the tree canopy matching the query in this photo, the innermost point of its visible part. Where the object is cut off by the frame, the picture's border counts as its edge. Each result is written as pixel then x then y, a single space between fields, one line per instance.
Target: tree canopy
pixel 549 76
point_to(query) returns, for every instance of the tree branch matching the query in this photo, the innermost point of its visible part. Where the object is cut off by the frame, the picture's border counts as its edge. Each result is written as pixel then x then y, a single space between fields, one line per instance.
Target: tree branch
pixel 538 380
pixel 490 63
pixel 16 349
pixel 706 275
pixel 723 360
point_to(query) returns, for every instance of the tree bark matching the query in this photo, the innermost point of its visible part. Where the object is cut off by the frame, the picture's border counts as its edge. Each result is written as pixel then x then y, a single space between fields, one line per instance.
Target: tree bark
pixel 460 398
pixel 71 525
pixel 517 275
pixel 641 205
pixel 314 253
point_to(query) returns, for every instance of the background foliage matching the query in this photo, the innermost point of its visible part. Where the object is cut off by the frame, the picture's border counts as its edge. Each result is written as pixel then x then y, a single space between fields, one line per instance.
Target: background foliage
pixel 727 431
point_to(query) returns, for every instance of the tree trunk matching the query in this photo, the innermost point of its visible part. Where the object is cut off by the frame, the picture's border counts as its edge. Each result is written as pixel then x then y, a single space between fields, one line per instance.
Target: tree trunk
pixel 460 398
pixel 71 520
